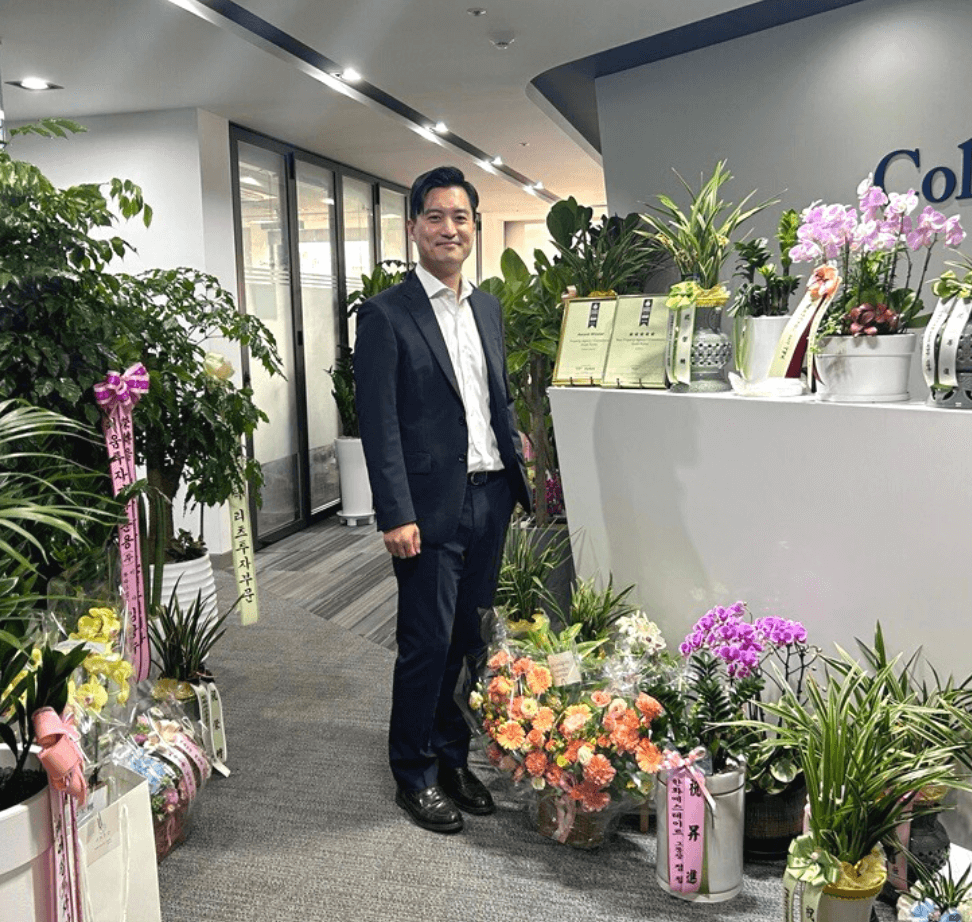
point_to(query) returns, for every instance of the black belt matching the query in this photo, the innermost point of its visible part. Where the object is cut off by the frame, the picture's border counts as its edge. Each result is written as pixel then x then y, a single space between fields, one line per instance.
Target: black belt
pixel 480 478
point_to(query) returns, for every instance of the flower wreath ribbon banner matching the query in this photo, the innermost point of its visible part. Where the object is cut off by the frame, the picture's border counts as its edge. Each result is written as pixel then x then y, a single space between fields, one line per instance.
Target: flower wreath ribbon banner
pixel 801 328
pixel 939 347
pixel 683 299
pixel 686 801
pixel 62 760
pixel 117 396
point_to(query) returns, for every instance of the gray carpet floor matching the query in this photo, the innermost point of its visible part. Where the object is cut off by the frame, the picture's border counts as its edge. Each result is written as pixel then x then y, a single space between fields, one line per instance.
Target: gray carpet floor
pixel 305 828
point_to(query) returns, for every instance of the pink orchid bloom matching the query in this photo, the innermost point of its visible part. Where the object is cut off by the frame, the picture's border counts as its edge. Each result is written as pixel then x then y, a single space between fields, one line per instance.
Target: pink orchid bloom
pixel 954 234
pixel 902 204
pixel 932 220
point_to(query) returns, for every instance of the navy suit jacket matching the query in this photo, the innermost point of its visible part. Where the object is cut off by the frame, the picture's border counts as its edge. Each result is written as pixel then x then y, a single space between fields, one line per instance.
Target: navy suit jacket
pixel 411 415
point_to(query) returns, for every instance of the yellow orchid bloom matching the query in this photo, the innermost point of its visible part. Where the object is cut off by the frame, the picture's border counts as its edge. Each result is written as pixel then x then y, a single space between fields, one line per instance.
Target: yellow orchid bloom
pixel 92 695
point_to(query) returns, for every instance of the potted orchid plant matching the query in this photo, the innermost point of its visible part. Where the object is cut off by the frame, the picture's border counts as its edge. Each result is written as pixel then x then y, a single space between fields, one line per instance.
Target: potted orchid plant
pixel 872 313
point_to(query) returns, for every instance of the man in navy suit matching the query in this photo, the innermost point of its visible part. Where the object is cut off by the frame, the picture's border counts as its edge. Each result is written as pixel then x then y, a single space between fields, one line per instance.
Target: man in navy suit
pixel 446 469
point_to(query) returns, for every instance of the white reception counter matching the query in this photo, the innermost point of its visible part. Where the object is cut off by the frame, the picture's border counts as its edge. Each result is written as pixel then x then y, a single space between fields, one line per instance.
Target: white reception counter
pixel 835 515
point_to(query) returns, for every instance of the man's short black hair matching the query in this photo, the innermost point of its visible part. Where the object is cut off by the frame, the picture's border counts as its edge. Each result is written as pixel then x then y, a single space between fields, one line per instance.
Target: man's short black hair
pixel 442 177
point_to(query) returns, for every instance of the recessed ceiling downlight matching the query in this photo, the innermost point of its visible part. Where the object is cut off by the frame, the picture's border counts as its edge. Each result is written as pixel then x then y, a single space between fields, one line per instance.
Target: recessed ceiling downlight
pixel 35 84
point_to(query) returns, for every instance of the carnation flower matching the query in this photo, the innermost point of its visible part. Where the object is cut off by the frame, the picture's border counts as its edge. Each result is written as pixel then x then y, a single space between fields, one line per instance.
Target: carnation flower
pixel 601 698
pixel 599 771
pixel 536 764
pixel 539 679
pixel 522 666
pixel 510 735
pixel 648 756
pixel 544 720
pixel 574 719
pixel 649 707
pixel 591 797
pixel 498 660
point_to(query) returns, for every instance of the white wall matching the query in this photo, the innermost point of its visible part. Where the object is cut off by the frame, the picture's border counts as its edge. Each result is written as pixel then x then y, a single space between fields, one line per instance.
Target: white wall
pixel 805 110
pixel 181 160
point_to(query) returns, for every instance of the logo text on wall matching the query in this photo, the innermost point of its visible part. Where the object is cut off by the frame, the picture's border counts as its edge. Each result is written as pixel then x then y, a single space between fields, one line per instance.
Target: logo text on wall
pixel 938 176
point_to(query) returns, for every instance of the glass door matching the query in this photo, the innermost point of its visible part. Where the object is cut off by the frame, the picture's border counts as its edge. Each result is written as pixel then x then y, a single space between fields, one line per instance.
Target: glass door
pixel 316 245
pixel 266 265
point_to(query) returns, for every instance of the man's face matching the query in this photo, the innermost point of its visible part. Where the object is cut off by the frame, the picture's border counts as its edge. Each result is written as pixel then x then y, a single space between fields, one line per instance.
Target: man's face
pixel 444 231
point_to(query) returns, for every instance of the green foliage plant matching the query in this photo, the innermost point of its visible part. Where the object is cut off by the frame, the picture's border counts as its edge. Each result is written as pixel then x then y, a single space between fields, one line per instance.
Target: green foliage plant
pixel 66 319
pixel 532 315
pixel 600 258
pixel 41 503
pixel 852 741
pixel 525 573
pixel 595 609
pixel 698 240
pixel 387 273
pixel 772 297
pixel 182 639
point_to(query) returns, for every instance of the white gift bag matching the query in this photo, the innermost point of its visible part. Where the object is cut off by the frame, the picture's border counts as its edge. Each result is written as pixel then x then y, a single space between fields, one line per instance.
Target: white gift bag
pixel 120 878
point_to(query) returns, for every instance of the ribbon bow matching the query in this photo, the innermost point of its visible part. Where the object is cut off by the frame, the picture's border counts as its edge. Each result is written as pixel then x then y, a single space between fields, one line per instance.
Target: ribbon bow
pixel 122 389
pixel 674 761
pixel 823 282
pixel 813 866
pixel 60 755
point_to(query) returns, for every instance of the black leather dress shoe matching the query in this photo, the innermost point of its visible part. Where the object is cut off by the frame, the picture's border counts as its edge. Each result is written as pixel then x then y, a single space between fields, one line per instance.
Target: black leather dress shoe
pixel 431 809
pixel 466 790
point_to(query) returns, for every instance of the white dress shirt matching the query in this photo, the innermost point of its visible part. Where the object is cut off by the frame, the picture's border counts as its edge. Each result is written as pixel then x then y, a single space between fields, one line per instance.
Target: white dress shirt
pixel 461 337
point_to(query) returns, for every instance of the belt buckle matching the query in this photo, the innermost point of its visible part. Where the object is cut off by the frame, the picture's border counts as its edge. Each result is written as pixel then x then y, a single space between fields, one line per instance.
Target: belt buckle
pixel 478 478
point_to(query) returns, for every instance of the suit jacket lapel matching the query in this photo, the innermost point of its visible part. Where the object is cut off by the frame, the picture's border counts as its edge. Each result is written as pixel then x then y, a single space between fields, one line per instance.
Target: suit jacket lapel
pixel 418 304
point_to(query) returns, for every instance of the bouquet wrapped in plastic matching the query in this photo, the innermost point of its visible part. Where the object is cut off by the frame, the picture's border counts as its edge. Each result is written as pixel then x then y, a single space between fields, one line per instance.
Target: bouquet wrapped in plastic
pixel 165 747
pixel 568 725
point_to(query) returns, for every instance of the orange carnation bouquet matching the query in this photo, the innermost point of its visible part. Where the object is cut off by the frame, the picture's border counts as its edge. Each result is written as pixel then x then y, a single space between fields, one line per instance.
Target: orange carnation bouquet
pixel 585 746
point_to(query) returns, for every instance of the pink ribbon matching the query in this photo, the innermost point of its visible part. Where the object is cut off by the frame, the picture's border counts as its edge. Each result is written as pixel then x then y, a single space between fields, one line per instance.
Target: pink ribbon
pixel 121 390
pixel 117 396
pixel 60 754
pixel 63 762
pixel 686 819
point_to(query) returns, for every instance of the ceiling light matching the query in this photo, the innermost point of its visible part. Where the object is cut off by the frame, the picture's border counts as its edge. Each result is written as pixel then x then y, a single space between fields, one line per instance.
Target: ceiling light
pixel 351 75
pixel 250 180
pixel 440 127
pixel 476 11
pixel 531 189
pixel 485 165
pixel 538 185
pixel 35 83
pixel 503 43
pixel 497 161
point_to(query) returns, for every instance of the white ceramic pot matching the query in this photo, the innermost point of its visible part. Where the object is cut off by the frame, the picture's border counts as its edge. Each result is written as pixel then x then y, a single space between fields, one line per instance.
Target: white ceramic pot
pixel 355 486
pixel 754 343
pixel 833 908
pixel 722 858
pixel 865 369
pixel 26 856
pixel 187 580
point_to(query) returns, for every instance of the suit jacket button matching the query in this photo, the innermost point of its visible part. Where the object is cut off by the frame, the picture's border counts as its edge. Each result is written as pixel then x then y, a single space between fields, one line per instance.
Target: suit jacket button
pixel 462 420
pixel 462 457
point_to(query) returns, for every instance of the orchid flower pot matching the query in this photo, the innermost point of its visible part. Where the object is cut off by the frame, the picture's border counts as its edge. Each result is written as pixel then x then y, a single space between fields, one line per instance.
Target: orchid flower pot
pixel 773 821
pixel 839 904
pixel 27 856
pixel 865 369
pixel 715 875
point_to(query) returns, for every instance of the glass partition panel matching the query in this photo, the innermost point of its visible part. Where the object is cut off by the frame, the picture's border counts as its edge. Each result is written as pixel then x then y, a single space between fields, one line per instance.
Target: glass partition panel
pixel 359 217
pixel 392 208
pixel 266 272
pixel 316 247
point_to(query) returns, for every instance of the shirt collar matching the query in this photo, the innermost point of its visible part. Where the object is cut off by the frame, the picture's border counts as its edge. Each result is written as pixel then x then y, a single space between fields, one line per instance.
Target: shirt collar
pixel 434 286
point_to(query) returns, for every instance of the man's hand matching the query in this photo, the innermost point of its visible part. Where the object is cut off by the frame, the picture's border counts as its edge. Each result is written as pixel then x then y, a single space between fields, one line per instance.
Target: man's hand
pixel 403 541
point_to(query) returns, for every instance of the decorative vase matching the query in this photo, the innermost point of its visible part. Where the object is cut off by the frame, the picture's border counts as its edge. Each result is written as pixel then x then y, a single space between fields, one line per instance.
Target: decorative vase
pixel 864 369
pixel 773 821
pixel 560 818
pixel 722 851
pixel 710 353
pixel 356 502
pixel 187 579
pixel 754 345
pixel 838 905
pixel 27 856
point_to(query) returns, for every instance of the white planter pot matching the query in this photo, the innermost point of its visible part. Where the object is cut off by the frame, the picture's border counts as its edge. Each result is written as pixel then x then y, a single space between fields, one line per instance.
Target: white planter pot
pixel 754 343
pixel 865 369
pixel 187 580
pixel 839 905
pixel 722 858
pixel 356 499
pixel 27 857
